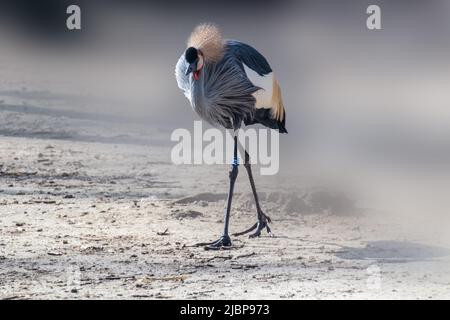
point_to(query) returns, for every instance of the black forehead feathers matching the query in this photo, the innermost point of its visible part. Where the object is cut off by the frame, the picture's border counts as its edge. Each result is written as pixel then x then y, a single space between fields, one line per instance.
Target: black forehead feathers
pixel 191 54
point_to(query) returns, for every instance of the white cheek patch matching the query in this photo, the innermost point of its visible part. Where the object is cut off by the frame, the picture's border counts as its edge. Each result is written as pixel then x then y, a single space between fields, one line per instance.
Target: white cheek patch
pixel 200 63
pixel 264 96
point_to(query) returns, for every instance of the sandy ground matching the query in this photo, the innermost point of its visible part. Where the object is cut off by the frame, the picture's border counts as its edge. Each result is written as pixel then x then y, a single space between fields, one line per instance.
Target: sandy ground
pixel 92 207
pixel 101 220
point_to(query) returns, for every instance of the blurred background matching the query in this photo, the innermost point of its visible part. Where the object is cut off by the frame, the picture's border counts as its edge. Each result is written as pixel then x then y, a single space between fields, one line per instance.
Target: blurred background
pixel 368 109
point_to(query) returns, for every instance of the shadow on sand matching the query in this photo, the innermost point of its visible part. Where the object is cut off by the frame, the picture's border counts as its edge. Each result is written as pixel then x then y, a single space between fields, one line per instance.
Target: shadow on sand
pixel 393 252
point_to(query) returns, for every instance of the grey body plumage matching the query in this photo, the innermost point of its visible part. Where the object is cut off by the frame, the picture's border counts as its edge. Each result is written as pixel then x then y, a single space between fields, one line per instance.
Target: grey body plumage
pixel 223 94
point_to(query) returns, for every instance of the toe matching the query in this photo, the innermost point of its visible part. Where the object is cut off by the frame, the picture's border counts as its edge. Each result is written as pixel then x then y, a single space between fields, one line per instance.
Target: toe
pixel 255 235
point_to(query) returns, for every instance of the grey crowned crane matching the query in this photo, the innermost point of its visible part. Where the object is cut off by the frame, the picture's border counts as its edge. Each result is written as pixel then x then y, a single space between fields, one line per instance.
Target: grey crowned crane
pixel 228 82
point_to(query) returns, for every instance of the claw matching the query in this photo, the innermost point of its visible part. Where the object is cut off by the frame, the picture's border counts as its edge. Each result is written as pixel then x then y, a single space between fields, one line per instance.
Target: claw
pixel 269 232
pixel 262 223
pixel 261 226
pixel 223 242
pixel 255 235
pixel 237 234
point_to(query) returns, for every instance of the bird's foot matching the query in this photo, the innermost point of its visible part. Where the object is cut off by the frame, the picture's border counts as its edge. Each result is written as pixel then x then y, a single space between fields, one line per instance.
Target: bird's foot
pixel 223 242
pixel 263 223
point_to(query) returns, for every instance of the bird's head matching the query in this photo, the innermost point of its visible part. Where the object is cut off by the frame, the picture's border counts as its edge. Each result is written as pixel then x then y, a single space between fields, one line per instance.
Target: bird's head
pixel 194 58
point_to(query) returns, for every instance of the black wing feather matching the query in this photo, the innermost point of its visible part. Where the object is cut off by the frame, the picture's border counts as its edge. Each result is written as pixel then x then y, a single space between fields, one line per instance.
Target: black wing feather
pixel 249 56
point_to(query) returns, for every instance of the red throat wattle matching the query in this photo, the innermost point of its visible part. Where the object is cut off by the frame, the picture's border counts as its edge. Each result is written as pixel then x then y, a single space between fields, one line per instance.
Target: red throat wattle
pixel 196 75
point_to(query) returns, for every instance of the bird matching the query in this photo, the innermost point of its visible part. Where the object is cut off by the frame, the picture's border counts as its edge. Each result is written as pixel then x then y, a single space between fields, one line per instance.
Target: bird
pixel 230 84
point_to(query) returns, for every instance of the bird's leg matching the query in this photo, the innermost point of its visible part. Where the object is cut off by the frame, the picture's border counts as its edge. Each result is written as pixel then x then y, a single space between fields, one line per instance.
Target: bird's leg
pixel 263 219
pixel 225 240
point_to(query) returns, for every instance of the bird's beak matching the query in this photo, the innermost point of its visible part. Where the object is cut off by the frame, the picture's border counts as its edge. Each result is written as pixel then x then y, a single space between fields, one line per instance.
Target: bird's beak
pixel 192 67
